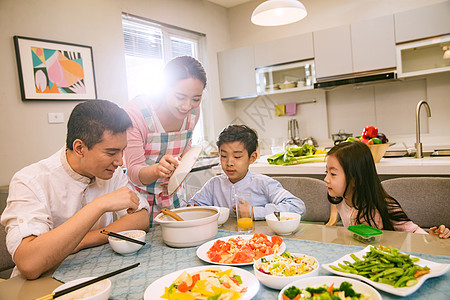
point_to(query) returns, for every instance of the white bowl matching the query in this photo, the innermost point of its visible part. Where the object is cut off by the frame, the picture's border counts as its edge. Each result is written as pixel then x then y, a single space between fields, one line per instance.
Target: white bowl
pixel 278 282
pixel 199 226
pixel 284 227
pixel 96 291
pixel 124 247
pixel 224 214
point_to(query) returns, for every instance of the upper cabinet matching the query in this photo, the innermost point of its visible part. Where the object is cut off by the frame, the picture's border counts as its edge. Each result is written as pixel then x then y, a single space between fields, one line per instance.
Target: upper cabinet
pixel 373 44
pixel 332 51
pixel 299 47
pixel 237 73
pixel 362 46
pixel 422 22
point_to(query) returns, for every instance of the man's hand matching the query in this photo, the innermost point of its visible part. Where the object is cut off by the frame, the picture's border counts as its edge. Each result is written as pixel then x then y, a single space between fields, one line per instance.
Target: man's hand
pixel 123 198
pixel 442 232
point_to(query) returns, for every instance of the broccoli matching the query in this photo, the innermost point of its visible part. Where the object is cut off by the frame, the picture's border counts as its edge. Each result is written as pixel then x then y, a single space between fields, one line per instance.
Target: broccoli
pixel 292 292
pixel 318 290
pixel 347 288
pixel 307 149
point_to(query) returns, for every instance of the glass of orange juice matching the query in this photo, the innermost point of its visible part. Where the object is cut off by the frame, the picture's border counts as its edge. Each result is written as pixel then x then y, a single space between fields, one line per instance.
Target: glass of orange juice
pixel 244 212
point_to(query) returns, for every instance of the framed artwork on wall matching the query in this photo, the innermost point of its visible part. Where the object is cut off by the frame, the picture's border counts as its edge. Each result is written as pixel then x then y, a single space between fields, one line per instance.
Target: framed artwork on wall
pixel 51 70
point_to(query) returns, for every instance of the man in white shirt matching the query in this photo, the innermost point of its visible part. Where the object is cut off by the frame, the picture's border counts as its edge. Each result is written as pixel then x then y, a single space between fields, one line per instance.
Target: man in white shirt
pixel 59 205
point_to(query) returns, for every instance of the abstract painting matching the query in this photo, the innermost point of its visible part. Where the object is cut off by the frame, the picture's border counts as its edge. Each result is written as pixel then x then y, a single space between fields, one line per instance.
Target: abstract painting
pixel 50 70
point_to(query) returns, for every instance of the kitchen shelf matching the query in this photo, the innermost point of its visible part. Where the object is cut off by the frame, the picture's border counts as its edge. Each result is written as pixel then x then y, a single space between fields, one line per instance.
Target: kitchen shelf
pixel 289 77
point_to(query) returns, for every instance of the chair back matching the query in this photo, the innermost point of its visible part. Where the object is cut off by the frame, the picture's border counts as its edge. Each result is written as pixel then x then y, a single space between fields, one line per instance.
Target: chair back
pixel 425 200
pixel 6 263
pixel 313 192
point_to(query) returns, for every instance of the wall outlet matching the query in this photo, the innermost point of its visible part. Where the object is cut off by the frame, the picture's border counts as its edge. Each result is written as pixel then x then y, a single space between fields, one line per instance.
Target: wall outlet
pixel 54 118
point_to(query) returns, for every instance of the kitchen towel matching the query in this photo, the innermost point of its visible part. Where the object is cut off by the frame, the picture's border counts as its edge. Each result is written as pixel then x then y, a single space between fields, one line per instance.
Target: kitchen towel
pixel 291 109
pixel 280 110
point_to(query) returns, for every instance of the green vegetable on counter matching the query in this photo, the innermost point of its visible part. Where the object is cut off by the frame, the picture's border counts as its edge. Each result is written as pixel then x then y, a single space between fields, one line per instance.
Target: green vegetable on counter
pixel 296 155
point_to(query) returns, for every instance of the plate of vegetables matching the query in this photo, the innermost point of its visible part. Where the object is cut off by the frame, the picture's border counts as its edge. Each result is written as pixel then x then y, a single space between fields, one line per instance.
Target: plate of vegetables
pixel 326 287
pixel 240 250
pixel 387 269
pixel 204 282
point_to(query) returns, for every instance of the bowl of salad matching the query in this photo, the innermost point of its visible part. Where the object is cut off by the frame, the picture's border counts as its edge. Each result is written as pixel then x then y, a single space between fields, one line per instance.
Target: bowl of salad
pixel 278 270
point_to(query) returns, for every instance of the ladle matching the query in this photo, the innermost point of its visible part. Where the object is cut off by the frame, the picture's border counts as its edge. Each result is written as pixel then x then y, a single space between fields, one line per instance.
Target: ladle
pixel 277 214
pixel 172 214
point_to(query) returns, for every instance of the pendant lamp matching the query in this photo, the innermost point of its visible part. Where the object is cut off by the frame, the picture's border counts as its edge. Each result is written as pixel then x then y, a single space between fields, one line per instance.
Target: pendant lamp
pixel 278 12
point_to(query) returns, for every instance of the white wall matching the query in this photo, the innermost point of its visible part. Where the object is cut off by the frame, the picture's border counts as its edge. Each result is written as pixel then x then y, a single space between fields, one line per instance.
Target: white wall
pixel 25 135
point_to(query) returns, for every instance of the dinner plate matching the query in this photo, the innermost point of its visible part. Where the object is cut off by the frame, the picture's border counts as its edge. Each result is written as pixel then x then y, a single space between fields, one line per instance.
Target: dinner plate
pixel 156 289
pixel 358 286
pixel 436 269
pixel 203 250
pixel 185 166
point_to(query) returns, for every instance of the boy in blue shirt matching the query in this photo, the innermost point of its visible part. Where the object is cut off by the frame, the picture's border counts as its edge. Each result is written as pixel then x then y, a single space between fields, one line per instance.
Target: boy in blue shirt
pixel 237 149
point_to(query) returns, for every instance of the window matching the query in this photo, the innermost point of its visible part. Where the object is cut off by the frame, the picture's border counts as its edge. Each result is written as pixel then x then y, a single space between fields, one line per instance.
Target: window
pixel 148 47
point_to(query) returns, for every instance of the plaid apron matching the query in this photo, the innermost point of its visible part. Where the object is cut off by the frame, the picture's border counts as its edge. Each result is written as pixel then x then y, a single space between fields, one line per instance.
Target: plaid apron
pixel 159 144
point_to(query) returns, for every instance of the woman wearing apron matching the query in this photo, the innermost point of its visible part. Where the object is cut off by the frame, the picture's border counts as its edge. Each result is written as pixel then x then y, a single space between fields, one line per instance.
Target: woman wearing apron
pixel 162 131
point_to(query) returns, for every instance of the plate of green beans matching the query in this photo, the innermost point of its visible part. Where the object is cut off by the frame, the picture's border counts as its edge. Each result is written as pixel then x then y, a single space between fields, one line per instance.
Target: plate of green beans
pixel 387 269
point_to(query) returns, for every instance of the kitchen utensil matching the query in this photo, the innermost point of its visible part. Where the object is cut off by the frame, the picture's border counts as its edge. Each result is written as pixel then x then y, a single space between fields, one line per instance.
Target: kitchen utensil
pixel 199 225
pixel 277 214
pixel 122 237
pixel 293 134
pixel 185 166
pixel 310 141
pixel 341 136
pixel 86 283
pixel 172 214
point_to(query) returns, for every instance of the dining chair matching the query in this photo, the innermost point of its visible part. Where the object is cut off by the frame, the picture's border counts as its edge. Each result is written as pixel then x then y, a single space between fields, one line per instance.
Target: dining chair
pixel 425 200
pixel 313 192
pixel 6 263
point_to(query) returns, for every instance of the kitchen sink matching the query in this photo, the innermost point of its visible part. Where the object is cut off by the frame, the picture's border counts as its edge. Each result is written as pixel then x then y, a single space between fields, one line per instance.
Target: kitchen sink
pixel 404 153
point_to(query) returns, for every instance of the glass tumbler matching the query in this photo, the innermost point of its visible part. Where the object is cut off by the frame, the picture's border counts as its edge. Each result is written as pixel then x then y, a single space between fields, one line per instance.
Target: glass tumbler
pixel 244 212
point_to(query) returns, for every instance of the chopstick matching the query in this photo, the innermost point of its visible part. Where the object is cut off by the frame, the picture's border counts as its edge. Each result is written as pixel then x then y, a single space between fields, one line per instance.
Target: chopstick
pixel 86 283
pixel 122 237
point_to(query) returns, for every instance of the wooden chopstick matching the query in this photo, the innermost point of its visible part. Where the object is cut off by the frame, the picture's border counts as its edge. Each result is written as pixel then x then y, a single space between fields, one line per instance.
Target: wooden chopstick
pixel 86 283
pixel 122 237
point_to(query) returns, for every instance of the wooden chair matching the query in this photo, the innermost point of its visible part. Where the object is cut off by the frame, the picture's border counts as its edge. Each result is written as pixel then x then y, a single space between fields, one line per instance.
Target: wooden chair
pixel 313 192
pixel 425 200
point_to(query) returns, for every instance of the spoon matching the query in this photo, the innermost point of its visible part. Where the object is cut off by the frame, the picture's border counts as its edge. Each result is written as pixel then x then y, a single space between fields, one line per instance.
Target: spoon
pixel 277 214
pixel 172 214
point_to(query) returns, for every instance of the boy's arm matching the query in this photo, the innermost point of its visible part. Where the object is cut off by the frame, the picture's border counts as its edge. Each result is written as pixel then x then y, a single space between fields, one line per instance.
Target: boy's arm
pixel 37 254
pixel 204 197
pixel 279 199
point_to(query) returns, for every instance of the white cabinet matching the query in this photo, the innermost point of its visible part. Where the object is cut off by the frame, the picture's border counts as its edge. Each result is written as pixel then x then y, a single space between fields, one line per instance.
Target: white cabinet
pixel 373 44
pixel 362 46
pixel 295 48
pixel 422 22
pixel 237 73
pixel 332 51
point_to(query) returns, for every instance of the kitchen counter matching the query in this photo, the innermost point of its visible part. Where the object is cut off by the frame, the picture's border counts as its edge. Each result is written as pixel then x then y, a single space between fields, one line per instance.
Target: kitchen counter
pixel 435 166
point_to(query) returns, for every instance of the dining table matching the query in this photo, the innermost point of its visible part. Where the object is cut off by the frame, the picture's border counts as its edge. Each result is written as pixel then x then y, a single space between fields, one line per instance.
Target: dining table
pixel 325 243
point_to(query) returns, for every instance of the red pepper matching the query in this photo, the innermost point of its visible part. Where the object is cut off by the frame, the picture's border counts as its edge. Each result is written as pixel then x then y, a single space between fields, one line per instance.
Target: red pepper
pixel 370 132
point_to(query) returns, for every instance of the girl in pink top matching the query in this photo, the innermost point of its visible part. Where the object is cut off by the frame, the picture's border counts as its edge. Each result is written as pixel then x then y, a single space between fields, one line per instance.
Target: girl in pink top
pixel 162 131
pixel 355 189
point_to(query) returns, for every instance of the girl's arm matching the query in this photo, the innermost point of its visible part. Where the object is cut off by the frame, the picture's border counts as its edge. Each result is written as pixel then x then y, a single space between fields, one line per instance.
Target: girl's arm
pixel 442 232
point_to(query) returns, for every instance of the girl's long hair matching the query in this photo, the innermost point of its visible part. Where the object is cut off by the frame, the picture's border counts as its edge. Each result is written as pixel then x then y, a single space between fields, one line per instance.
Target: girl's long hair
pixel 369 195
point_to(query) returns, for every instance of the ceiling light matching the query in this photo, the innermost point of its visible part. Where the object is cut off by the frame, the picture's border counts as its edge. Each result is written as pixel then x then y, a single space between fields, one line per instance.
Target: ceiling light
pixel 278 12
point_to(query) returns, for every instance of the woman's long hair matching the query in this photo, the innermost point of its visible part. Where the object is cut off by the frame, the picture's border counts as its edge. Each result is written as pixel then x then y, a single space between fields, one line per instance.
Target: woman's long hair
pixel 369 195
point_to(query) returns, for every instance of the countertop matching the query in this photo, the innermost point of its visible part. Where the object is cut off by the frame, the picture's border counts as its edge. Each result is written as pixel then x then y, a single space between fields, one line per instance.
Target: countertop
pixel 439 166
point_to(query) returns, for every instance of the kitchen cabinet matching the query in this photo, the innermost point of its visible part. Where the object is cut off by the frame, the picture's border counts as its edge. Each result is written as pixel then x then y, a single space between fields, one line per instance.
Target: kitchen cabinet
pixel 237 73
pixel 361 46
pixel 373 44
pixel 295 48
pixel 332 51
pixel 423 22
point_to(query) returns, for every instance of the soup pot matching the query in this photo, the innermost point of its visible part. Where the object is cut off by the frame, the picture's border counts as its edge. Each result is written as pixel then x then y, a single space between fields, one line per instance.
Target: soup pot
pixel 199 226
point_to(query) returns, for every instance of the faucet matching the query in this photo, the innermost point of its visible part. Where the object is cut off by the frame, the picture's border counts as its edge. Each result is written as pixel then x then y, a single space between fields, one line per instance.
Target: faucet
pixel 419 152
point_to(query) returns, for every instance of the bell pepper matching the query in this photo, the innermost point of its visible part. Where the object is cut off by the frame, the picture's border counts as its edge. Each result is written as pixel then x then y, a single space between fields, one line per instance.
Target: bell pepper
pixel 369 132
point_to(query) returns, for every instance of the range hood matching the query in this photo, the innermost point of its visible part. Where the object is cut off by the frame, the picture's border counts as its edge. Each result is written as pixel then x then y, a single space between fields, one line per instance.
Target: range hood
pixel 356 78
